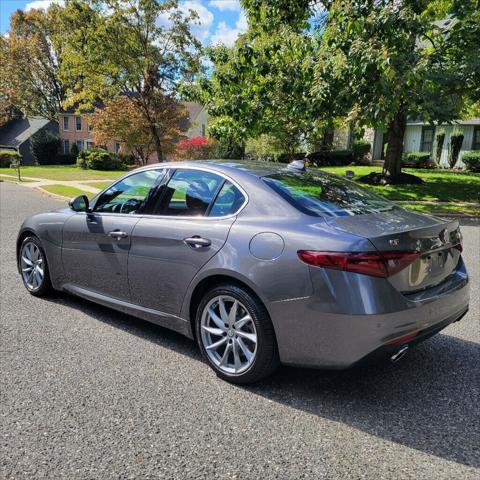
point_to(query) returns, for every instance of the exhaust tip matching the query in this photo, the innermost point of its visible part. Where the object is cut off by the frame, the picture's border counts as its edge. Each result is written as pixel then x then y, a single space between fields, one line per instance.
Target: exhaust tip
pixel 400 354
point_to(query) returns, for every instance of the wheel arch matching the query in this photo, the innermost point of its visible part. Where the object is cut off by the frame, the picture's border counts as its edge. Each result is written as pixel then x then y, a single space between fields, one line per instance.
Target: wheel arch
pixel 210 281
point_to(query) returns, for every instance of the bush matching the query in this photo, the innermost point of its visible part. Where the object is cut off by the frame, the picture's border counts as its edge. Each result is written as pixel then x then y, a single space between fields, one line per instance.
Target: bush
pixel 418 160
pixel 263 148
pixel 7 157
pixel 74 150
pixel 472 161
pixel 331 157
pixel 197 148
pixel 456 140
pixel 44 146
pixel 227 149
pixel 100 159
pixel 439 146
pixel 65 159
pixel 360 150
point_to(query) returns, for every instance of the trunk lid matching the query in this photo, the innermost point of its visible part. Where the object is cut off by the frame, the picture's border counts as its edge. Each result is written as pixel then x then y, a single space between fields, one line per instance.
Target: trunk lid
pixel 436 240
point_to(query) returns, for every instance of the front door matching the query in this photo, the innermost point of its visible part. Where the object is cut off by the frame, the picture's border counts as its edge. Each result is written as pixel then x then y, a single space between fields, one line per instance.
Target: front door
pixel 189 226
pixel 96 244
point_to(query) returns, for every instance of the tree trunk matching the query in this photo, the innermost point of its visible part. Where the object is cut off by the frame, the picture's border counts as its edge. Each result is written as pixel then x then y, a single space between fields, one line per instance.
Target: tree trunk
pixel 158 143
pixel 395 134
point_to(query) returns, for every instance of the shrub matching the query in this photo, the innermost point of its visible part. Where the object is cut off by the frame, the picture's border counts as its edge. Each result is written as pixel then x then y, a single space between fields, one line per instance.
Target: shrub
pixel 100 159
pixel 44 146
pixel 419 160
pixel 7 157
pixel 196 148
pixel 227 149
pixel 360 150
pixel 331 157
pixel 439 145
pixel 263 148
pixel 472 161
pixel 65 159
pixel 74 150
pixel 456 140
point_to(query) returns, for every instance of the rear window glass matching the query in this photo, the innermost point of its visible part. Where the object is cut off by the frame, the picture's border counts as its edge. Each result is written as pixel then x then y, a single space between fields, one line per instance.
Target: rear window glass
pixel 322 194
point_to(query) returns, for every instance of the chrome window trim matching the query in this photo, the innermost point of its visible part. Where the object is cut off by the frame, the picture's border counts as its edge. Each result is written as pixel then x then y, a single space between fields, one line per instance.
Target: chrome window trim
pixel 176 217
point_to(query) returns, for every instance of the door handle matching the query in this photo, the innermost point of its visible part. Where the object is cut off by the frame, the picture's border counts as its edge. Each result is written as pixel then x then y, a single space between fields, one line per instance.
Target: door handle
pixel 117 234
pixel 197 242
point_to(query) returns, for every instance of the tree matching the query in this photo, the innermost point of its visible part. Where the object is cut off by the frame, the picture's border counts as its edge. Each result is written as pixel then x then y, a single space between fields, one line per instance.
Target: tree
pixel 121 120
pixel 45 146
pixel 30 63
pixel 263 84
pixel 382 61
pixel 141 50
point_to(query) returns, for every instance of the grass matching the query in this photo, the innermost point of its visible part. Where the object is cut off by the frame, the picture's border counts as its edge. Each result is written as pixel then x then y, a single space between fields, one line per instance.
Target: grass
pixel 63 172
pixel 99 185
pixel 66 191
pixel 454 209
pixel 440 186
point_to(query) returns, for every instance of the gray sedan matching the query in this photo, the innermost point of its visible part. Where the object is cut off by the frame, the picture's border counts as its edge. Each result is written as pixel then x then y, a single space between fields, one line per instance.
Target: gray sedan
pixel 261 264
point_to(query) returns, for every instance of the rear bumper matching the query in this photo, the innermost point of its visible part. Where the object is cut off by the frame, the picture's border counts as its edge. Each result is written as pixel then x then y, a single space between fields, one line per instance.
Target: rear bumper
pixel 353 317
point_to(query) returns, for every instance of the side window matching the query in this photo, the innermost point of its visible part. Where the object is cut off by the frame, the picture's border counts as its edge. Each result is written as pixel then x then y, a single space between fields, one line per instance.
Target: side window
pixel 228 201
pixel 427 139
pixel 130 194
pixel 189 193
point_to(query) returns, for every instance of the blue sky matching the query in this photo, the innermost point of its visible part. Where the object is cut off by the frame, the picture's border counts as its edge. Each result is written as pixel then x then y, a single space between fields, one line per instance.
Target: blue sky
pixel 220 20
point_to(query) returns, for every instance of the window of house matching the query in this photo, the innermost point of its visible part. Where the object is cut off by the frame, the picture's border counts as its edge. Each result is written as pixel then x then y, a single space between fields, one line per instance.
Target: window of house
pixel 189 193
pixel 116 147
pixel 204 130
pixel 476 138
pixel 78 123
pixel 80 145
pixel 427 139
pixel 89 144
pixel 65 123
pixel 66 147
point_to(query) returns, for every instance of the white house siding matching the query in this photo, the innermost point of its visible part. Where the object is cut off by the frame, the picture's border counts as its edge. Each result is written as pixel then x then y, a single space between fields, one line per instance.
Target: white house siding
pixel 412 139
pixel 196 129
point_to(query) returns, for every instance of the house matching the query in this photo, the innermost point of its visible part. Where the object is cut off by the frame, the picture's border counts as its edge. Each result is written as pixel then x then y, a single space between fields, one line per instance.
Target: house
pixel 16 134
pixel 421 137
pixel 76 129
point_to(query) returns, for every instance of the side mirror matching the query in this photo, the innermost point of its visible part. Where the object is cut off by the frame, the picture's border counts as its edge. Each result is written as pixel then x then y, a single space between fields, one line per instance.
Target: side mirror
pixel 79 204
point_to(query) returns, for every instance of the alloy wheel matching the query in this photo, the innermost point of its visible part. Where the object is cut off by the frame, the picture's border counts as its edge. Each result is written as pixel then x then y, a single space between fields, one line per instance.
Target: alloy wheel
pixel 228 334
pixel 32 266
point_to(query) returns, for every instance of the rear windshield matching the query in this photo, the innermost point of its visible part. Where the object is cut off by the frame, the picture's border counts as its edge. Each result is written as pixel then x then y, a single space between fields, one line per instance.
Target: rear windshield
pixel 321 194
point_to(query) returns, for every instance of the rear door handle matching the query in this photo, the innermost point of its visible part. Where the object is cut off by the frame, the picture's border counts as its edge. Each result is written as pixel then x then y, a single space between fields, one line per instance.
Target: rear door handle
pixel 197 242
pixel 117 234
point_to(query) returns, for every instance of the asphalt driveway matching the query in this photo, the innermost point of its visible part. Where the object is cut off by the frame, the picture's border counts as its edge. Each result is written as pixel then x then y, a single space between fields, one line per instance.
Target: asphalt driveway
pixel 90 393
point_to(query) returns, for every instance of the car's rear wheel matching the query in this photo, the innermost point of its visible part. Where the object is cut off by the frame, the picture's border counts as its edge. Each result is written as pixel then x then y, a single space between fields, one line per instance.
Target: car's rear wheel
pixel 236 335
pixel 33 267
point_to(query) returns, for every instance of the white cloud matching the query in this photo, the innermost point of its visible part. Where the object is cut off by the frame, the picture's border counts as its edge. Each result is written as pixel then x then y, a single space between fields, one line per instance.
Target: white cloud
pixel 41 4
pixel 201 26
pixel 233 5
pixel 226 35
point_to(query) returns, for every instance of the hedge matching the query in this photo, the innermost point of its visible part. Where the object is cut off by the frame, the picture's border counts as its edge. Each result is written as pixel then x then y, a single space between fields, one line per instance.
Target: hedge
pixel 472 161
pixel 331 157
pixel 100 159
pixel 7 157
pixel 360 150
pixel 419 160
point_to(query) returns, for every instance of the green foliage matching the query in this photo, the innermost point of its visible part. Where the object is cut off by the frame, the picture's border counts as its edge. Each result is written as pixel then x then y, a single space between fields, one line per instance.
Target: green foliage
pixel 7 157
pixel 100 159
pixel 331 157
pixel 472 161
pixel 440 140
pixel 456 141
pixel 74 150
pixel 361 149
pixel 419 160
pixel 264 148
pixel 227 148
pixel 45 146
pixel 65 159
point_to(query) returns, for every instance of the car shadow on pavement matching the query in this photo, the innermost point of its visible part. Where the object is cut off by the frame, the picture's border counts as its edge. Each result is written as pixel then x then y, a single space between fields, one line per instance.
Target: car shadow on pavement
pixel 428 401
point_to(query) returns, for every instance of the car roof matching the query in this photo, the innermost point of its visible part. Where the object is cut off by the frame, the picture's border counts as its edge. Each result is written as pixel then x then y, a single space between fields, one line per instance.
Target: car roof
pixel 257 169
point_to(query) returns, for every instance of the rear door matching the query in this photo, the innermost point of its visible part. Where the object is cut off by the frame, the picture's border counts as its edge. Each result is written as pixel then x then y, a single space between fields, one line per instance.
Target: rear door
pixel 189 225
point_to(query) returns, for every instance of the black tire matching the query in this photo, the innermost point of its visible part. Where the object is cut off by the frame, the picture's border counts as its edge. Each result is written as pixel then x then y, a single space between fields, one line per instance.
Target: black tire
pixel 45 288
pixel 266 358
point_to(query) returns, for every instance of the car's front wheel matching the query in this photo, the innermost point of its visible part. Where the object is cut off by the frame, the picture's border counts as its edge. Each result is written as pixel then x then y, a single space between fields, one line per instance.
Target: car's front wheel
pixel 236 335
pixel 33 267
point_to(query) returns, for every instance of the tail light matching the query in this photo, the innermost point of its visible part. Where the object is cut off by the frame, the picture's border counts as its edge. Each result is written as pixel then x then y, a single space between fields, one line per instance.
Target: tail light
pixel 378 264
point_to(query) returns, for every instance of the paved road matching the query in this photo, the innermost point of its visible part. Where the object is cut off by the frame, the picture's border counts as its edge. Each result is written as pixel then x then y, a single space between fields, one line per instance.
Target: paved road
pixel 87 393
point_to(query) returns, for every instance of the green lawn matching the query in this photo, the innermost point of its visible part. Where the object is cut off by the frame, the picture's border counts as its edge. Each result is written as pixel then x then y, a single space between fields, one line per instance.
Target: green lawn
pixel 66 191
pixel 440 185
pixel 62 172
pixel 439 209
pixel 99 185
